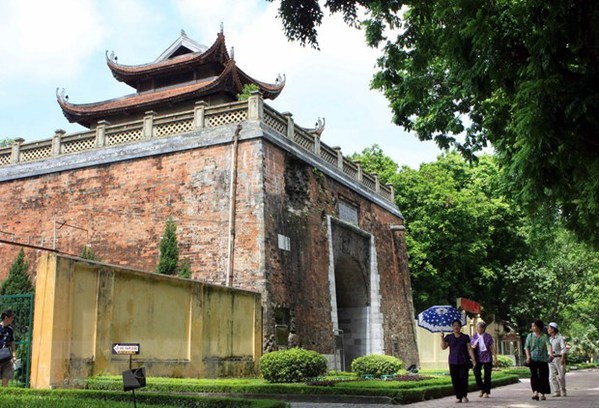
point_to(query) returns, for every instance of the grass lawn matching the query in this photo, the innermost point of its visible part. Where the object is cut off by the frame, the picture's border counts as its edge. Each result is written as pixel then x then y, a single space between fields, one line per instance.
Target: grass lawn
pixel 423 386
pixel 106 391
pixel 25 398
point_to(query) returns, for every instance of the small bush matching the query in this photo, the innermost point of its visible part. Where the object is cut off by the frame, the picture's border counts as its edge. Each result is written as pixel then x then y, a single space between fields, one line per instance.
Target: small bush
pixel 504 362
pixel 292 365
pixel 376 365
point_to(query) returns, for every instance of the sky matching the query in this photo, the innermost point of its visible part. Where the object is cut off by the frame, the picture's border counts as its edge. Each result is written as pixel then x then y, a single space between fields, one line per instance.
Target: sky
pixel 45 45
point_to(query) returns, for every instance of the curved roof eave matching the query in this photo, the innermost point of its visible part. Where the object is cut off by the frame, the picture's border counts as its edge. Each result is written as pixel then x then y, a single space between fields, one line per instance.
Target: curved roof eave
pixel 129 73
pixel 87 114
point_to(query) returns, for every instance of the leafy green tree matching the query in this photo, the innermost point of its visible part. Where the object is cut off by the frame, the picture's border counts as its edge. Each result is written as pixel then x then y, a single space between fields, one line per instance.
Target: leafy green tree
pixel 5 142
pixel 247 92
pixel 18 281
pixel 169 250
pixel 373 160
pixel 558 282
pixel 461 229
pixel 520 75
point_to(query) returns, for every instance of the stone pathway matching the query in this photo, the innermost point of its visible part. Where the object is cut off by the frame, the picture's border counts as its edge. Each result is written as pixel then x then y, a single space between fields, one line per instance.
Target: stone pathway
pixel 583 392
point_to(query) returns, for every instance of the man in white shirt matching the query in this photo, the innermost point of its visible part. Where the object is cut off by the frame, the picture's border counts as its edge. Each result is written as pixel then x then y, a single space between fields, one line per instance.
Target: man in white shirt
pixel 557 366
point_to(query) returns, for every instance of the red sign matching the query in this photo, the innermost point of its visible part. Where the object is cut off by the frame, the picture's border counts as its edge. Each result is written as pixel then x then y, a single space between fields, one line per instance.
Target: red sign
pixel 469 305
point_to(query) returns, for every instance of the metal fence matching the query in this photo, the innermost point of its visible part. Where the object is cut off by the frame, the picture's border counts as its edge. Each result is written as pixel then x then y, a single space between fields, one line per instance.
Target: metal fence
pixel 22 306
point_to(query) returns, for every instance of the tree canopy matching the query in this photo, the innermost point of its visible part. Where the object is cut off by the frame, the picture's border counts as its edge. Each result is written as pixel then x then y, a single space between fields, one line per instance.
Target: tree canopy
pixel 520 75
pixel 467 238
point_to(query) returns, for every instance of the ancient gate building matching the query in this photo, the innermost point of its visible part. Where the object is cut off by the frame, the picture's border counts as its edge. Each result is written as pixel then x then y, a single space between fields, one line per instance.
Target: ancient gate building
pixel 260 203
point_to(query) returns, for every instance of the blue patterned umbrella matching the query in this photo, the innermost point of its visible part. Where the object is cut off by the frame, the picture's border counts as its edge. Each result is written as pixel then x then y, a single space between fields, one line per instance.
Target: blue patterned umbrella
pixel 438 319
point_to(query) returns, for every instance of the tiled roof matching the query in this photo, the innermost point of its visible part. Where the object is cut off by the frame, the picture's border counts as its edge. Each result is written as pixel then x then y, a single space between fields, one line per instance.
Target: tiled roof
pixel 131 73
pixel 232 79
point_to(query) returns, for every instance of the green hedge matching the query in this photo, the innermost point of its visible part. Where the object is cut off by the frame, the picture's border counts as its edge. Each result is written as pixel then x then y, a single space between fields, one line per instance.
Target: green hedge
pixel 400 391
pixel 292 365
pixel 21 398
pixel 504 362
pixel 376 365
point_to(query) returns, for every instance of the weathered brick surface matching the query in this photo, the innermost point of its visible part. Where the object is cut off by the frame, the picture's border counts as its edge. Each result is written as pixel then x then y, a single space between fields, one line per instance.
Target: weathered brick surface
pixel 298 279
pixel 121 210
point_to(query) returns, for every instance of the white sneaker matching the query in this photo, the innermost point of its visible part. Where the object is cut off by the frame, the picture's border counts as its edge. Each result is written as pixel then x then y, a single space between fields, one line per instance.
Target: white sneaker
pixel 557 394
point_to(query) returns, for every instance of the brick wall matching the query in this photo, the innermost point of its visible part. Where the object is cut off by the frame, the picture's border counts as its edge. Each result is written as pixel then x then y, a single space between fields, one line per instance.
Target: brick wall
pixel 297 202
pixel 121 209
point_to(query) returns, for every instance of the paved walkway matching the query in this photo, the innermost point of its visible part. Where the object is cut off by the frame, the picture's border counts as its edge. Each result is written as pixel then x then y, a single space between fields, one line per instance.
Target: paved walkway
pixel 583 392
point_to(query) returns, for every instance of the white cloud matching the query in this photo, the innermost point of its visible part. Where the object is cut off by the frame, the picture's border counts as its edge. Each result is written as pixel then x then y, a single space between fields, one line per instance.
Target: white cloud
pixel 47 39
pixel 62 43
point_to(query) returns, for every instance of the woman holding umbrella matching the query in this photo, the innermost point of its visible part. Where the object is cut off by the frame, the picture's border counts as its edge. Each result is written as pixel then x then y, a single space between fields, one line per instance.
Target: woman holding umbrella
pixel 460 355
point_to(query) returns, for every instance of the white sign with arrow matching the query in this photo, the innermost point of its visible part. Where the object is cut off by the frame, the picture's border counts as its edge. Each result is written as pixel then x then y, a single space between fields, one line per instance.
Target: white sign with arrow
pixel 125 348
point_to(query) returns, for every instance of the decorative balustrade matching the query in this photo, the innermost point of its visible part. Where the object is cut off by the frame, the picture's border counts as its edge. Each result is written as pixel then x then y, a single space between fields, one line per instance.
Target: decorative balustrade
pixel 203 116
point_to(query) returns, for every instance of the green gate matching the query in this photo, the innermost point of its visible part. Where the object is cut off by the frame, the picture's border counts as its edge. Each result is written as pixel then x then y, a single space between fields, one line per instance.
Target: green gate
pixel 22 306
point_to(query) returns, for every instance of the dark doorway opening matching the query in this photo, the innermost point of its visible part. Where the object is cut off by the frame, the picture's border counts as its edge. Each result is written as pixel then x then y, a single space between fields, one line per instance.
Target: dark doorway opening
pixel 352 286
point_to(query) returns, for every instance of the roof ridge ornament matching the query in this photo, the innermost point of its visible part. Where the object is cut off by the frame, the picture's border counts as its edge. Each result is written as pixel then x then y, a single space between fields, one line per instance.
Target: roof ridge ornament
pixel 60 94
pixel 232 52
pixel 318 127
pixel 183 34
pixel 112 57
pixel 281 78
pixel 222 27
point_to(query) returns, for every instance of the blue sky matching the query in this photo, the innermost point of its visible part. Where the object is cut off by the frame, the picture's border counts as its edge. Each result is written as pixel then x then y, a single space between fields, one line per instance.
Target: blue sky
pixel 46 45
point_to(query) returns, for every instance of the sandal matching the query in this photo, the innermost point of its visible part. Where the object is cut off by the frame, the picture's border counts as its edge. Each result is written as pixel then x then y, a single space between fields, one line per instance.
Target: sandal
pixel 535 397
pixel 543 398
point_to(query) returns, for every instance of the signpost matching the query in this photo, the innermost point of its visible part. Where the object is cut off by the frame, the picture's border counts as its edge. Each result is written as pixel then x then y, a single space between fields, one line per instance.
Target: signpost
pixel 128 349
pixel 132 378
pixel 469 306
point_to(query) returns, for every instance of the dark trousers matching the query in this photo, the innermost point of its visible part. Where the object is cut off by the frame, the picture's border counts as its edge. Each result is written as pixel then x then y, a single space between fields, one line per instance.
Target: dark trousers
pixel 539 377
pixel 484 384
pixel 459 379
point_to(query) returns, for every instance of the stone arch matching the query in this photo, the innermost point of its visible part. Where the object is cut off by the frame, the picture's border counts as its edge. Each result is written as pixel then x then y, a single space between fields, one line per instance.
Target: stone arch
pixel 355 294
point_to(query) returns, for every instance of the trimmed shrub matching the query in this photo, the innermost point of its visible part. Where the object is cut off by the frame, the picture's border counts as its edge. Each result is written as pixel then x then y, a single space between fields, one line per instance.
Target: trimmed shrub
pixel 504 362
pixel 292 365
pixel 376 365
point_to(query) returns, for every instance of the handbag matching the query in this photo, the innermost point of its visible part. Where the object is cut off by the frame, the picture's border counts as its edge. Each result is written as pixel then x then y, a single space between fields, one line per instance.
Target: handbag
pixel 5 355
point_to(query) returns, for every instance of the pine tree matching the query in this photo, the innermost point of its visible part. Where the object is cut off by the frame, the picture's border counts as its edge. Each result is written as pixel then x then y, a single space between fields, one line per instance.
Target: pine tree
pixel 18 280
pixel 169 250
pixel 185 271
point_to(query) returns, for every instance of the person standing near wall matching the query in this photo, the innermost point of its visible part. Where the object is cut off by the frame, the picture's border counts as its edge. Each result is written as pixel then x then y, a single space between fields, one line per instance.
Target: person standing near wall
pixel 483 346
pixel 7 340
pixel 460 354
pixel 557 367
pixel 538 354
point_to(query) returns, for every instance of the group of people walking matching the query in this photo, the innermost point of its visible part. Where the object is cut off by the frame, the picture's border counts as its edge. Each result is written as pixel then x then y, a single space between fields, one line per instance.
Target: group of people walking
pixel 464 353
pixel 545 357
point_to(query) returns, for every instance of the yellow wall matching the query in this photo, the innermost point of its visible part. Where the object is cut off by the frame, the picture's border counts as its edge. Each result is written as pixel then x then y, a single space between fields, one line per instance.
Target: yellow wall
pixel 185 328
pixel 429 349
pixel 429 344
